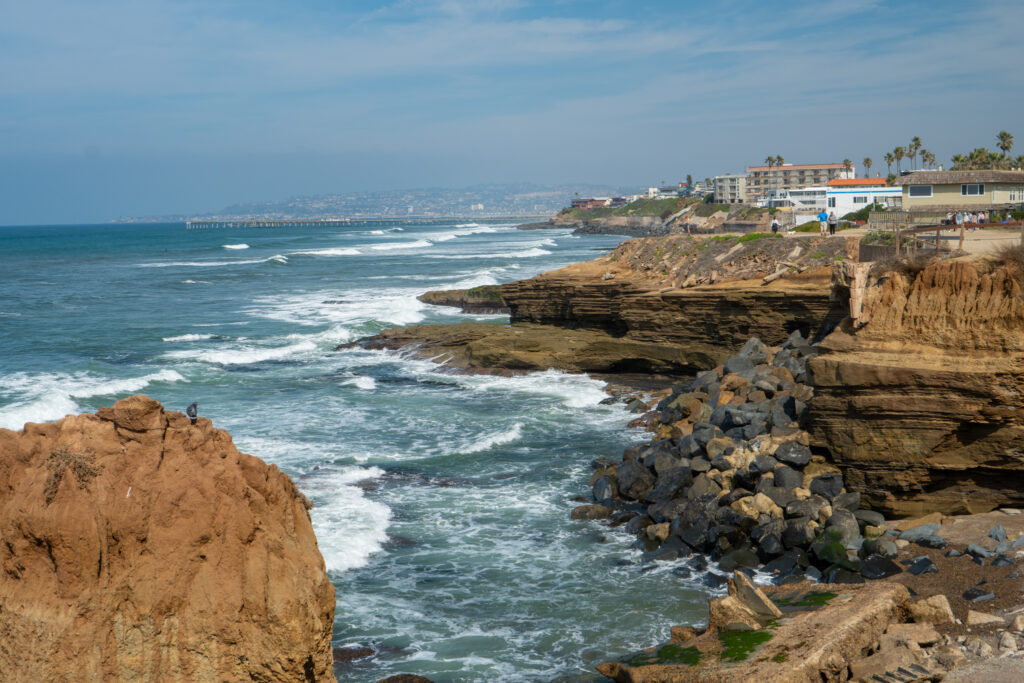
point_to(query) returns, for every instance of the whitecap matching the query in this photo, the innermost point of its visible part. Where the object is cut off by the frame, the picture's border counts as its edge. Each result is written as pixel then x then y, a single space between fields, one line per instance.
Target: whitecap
pixel 52 396
pixel 489 441
pixel 235 246
pixel 188 337
pixel 194 282
pixel 527 253
pixel 349 526
pixel 389 246
pixel 364 383
pixel 243 355
pixel 328 252
pixel 210 264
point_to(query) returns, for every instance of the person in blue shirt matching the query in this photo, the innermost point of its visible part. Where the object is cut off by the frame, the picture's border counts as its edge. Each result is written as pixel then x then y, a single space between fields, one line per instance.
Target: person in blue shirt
pixel 823 222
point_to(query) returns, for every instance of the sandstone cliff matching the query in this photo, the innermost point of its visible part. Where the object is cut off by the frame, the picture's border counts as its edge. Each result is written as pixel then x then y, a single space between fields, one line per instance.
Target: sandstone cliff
pixel 922 406
pixel 137 546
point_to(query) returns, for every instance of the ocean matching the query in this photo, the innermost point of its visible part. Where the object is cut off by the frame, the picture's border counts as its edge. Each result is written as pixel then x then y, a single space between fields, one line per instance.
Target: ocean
pixel 441 501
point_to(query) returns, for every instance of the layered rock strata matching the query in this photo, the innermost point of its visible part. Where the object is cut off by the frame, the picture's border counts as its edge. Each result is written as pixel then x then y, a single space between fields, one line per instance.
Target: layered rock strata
pixel 920 400
pixel 139 546
pixel 485 299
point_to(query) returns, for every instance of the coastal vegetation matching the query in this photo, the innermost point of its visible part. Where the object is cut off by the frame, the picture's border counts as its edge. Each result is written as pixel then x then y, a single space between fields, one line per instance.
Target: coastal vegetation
pixel 661 208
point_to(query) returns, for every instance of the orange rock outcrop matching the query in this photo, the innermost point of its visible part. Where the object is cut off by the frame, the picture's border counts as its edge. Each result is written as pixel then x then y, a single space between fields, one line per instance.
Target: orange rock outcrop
pixel 137 546
pixel 922 405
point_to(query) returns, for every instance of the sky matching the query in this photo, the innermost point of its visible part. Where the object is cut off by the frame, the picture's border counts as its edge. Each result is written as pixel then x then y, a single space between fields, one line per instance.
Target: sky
pixel 129 107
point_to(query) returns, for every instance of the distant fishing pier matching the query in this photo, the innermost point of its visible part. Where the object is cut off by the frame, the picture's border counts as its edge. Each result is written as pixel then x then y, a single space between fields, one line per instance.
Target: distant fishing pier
pixel 339 222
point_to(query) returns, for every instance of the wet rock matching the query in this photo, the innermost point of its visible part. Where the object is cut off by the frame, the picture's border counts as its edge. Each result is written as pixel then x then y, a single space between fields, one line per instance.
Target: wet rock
pixel 879 546
pixel 592 512
pixel 779 495
pixel 742 557
pixel 998 533
pixel 735 494
pixel 635 480
pixel 606 488
pixel 794 454
pixel 347 654
pixel 405 678
pixel 703 485
pixel 878 567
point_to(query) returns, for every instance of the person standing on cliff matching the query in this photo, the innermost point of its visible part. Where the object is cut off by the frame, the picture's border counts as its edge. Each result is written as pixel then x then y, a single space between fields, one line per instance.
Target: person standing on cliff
pixel 822 222
pixel 775 225
pixel 833 222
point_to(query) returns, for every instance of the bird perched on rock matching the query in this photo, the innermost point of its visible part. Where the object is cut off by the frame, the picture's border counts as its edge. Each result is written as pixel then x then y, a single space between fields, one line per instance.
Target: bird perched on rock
pixel 192 412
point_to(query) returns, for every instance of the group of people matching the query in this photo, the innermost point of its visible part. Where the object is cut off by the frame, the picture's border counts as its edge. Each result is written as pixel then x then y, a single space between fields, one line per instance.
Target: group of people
pixel 828 222
pixel 967 218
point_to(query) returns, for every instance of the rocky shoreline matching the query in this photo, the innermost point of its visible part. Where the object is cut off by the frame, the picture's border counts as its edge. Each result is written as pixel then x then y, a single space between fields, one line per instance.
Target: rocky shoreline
pixel 767 462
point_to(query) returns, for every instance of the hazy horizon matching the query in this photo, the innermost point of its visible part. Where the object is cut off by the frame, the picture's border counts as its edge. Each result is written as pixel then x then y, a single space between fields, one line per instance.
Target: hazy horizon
pixel 182 107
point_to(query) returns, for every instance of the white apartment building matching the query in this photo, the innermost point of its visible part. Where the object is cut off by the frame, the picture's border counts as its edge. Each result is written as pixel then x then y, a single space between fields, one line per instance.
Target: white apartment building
pixel 763 180
pixel 846 195
pixel 730 189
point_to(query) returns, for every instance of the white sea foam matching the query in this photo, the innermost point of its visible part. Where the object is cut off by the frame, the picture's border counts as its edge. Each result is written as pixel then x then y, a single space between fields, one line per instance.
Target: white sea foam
pixel 395 306
pixel 464 230
pixel 243 354
pixel 349 526
pixel 364 383
pixel 376 232
pixel 474 281
pixel 51 396
pixel 389 246
pixel 490 440
pixel 235 246
pixel 526 253
pixel 328 252
pixel 188 337
pixel 276 258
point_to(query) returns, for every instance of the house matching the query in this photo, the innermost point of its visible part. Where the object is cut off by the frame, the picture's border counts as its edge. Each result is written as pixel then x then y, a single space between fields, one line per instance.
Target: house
pixel 846 195
pixel 730 189
pixel 765 183
pixel 952 190
pixel 591 203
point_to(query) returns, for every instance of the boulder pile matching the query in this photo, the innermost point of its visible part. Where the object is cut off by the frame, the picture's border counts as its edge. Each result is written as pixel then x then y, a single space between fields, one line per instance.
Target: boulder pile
pixel 730 475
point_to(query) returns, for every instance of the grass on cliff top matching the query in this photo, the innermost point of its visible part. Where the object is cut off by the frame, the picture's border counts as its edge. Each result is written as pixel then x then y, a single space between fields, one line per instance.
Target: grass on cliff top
pixel 662 208
pixel 709 208
pixel 491 292
pixel 739 644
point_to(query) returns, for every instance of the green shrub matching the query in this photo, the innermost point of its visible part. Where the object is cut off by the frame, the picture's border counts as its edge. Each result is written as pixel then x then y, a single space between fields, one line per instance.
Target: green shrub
pixel 754 236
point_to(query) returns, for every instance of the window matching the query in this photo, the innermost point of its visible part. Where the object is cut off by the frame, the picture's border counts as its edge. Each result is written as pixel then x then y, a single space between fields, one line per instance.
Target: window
pixel 860 200
pixel 919 190
pixel 972 190
pixel 831 202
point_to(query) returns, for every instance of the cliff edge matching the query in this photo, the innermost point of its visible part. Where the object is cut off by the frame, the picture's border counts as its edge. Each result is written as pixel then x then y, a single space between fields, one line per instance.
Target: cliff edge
pixel 921 399
pixel 138 546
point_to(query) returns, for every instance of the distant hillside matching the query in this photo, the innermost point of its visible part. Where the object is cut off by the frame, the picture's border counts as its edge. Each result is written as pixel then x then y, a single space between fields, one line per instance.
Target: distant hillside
pixel 479 201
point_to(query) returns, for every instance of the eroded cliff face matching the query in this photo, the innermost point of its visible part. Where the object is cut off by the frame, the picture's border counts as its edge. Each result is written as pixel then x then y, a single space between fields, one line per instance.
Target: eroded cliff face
pixel 923 405
pixel 137 546
pixel 680 291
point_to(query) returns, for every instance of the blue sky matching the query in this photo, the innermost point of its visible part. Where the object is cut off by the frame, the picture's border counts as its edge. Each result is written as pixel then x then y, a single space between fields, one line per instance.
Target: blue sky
pixel 124 108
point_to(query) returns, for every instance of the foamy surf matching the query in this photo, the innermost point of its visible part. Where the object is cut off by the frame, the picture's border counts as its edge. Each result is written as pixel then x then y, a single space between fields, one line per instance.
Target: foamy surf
pixel 390 246
pixel 235 246
pixel 327 252
pixel 338 505
pixel 188 337
pixel 364 383
pixel 491 440
pixel 526 253
pixel 276 258
pixel 52 396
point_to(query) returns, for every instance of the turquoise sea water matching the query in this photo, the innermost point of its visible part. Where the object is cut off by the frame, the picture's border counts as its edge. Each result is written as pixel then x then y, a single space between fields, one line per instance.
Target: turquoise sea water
pixel 441 501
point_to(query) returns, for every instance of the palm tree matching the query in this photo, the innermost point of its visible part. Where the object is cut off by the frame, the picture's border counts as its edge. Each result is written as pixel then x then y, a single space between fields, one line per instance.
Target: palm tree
pixel 1005 142
pixel 1020 160
pixel 979 158
pixel 890 159
pixel 847 164
pixel 867 166
pixel 915 146
pixel 769 161
pixel 899 153
pixel 959 162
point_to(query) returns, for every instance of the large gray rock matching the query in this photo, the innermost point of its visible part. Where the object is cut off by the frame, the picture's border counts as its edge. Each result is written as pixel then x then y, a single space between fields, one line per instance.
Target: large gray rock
pixel 826 485
pixel 702 486
pixel 788 478
pixel 755 350
pixel 738 363
pixel 869 517
pixel 920 531
pixel 798 533
pixel 635 480
pixel 846 524
pixel 793 454
pixel 670 483
pixel 606 488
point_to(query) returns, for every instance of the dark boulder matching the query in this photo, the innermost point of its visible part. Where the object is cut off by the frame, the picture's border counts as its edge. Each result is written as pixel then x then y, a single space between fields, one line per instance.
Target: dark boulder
pixel 703 485
pixel 798 533
pixel 879 546
pixel 826 485
pixel 978 595
pixel 847 501
pixel 763 464
pixel 736 494
pixel 741 557
pixel 635 479
pixel 738 363
pixel 788 478
pixel 669 484
pixel 793 453
pixel 846 524
pixel 921 565
pixel 698 465
pixel 606 488
pixel 689 447
pixel 869 518
pixel 592 512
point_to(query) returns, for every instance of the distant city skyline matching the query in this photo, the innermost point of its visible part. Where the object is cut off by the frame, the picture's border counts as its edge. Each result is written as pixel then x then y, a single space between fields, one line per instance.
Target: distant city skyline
pixel 119 108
